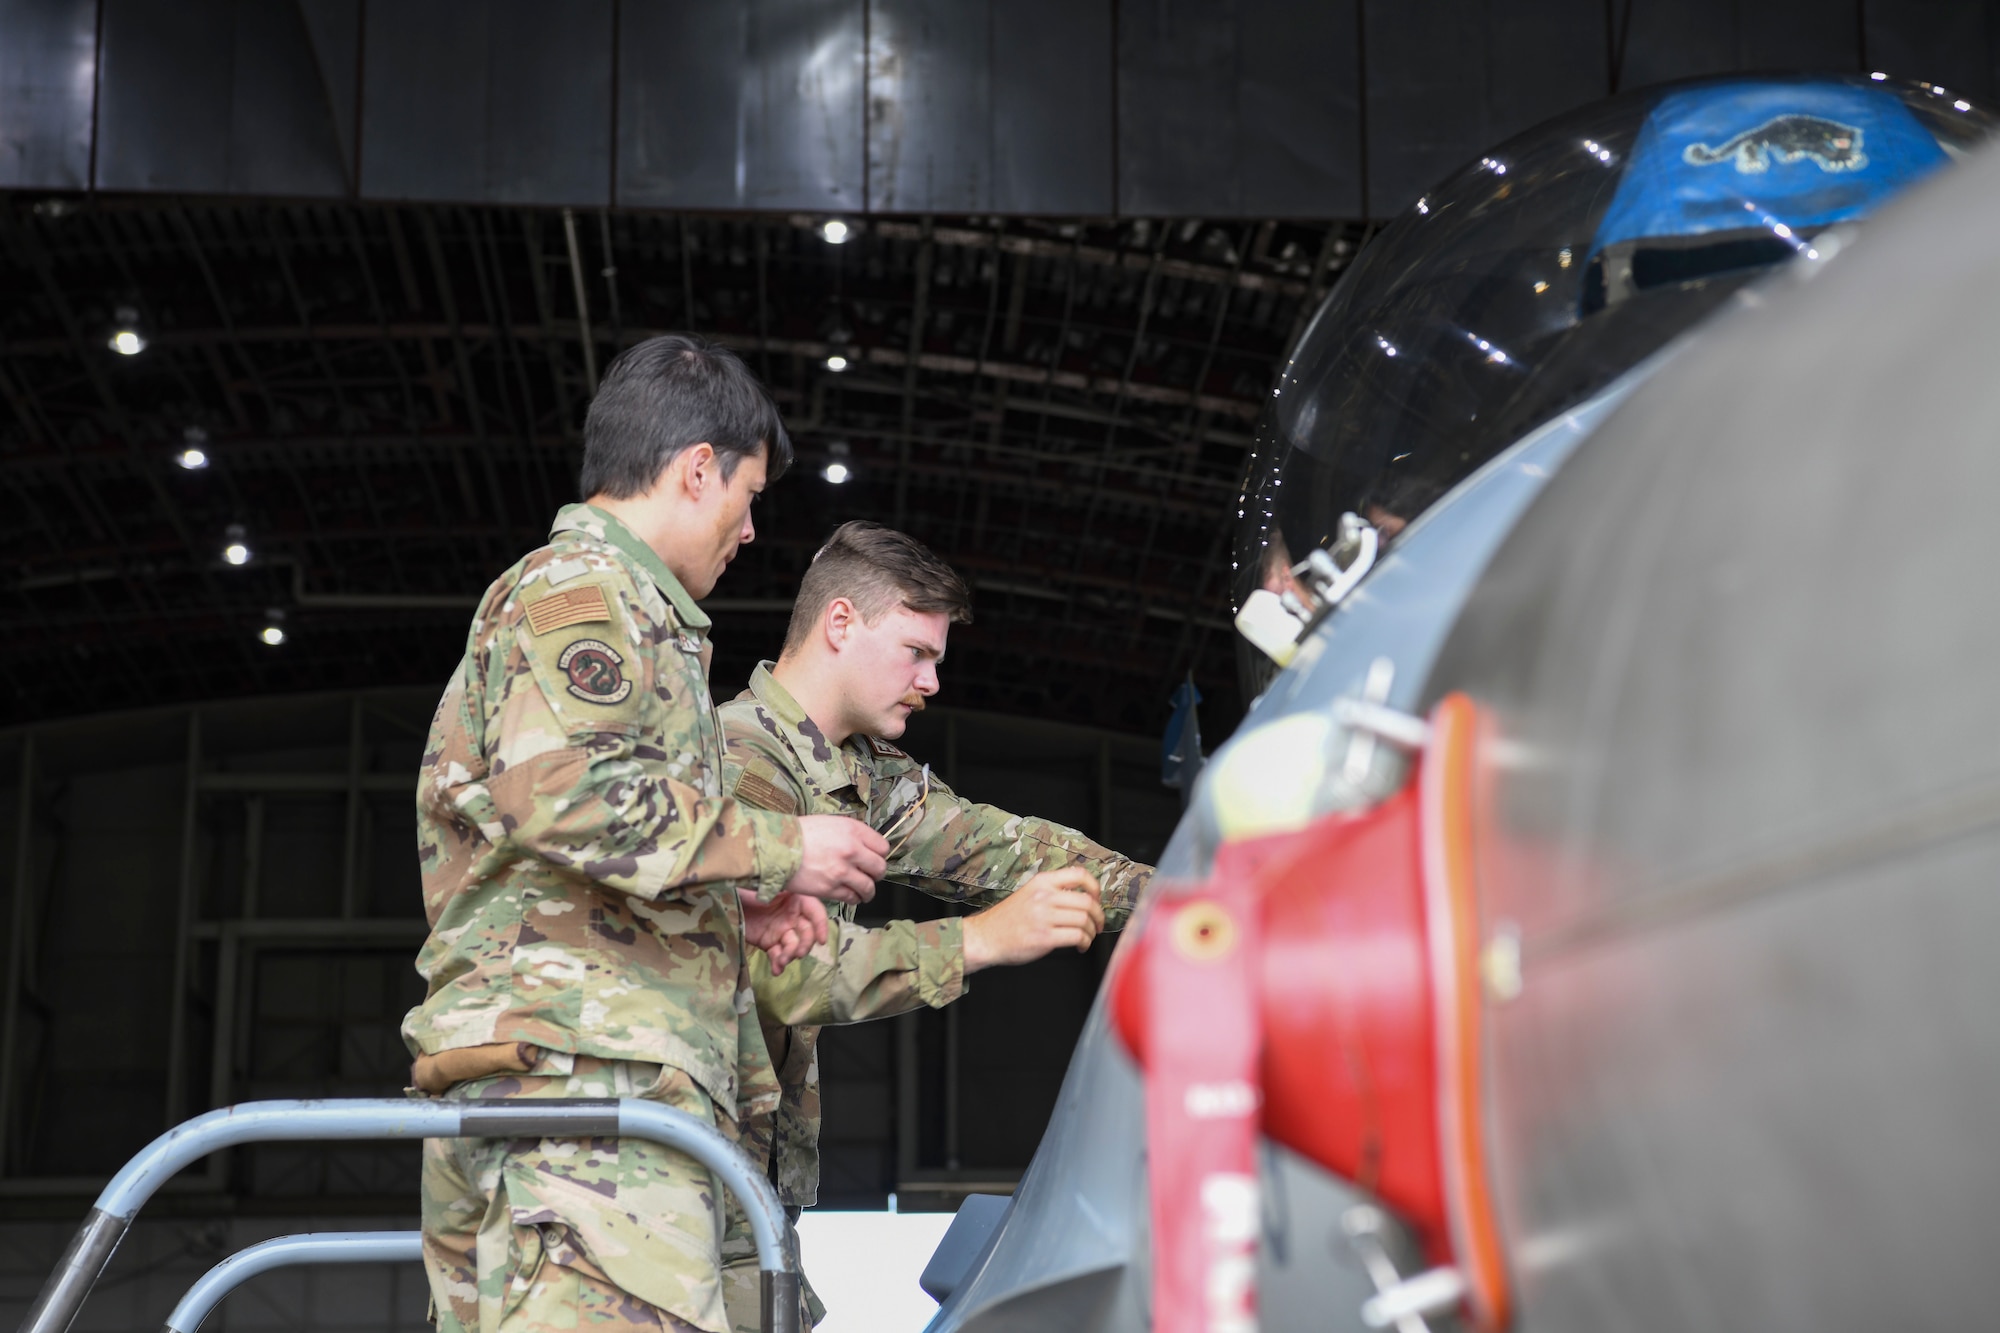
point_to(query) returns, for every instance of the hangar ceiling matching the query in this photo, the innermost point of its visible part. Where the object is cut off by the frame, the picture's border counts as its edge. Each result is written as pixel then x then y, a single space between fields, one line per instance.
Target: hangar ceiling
pixel 377 251
pixel 388 397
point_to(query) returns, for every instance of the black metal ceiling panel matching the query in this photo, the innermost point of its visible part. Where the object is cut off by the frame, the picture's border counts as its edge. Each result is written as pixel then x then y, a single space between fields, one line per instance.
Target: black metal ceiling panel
pixel 749 105
pixel 1452 79
pixel 1177 98
pixel 1426 96
pixel 503 102
pixel 48 78
pixel 548 128
pixel 1798 34
pixel 423 101
pixel 285 109
pixel 678 130
pixel 1678 39
pixel 334 28
pixel 1542 60
pixel 930 105
pixel 216 97
pixel 1299 113
pixel 801 94
pixel 1946 41
pixel 163 108
pixel 1052 102
pixel 1240 109
pixel 978 107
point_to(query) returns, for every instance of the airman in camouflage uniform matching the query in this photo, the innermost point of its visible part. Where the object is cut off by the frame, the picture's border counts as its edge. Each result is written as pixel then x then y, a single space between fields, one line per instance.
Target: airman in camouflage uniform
pixel 943 844
pixel 582 873
pixel 779 759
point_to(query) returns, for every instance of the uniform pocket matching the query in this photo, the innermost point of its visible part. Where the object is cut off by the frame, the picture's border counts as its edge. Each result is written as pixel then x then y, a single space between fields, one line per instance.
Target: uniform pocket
pixel 645 1216
pixel 678 1089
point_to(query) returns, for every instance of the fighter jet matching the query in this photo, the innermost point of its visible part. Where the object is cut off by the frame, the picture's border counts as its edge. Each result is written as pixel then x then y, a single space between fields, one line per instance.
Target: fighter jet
pixel 1582 928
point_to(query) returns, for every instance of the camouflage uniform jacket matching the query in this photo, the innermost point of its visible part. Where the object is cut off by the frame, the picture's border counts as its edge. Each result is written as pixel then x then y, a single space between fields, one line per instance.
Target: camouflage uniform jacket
pixel 939 842
pixel 580 860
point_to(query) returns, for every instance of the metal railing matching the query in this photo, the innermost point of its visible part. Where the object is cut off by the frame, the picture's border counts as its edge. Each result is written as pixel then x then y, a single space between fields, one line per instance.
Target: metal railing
pixel 319 1247
pixel 393 1118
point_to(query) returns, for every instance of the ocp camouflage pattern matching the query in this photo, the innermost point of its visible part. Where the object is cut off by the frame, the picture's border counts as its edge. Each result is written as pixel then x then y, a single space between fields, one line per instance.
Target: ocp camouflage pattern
pixel 861 972
pixel 947 846
pixel 538 1235
pixel 580 861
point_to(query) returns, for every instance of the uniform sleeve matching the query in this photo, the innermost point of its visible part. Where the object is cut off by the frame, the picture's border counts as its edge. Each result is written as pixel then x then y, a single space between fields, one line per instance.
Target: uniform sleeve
pixel 973 853
pixel 596 760
pixel 755 777
pixel 863 972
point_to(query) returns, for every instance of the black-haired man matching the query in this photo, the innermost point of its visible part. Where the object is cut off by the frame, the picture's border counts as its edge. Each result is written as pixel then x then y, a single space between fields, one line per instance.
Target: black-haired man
pixel 589 885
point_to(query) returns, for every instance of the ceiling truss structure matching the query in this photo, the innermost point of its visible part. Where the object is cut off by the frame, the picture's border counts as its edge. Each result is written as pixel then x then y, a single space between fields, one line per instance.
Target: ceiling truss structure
pixel 390 400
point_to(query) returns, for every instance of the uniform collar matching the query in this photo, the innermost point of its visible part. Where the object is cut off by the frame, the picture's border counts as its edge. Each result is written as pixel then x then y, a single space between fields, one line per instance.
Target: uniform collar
pixel 597 523
pixel 822 761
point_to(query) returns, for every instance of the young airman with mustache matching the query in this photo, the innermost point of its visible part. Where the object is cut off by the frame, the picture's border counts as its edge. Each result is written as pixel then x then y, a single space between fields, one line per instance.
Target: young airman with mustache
pixel 815 734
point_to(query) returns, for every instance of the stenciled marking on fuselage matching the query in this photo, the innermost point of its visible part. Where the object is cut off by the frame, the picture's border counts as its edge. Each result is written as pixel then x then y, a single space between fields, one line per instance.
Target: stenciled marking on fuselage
pixel 1789 138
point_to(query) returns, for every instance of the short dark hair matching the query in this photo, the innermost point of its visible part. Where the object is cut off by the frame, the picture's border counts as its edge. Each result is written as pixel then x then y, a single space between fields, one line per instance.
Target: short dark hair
pixel 662 395
pixel 877 569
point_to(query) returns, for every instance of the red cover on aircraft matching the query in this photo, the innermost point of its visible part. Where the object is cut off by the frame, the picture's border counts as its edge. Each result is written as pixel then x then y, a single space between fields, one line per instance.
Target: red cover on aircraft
pixel 1321 989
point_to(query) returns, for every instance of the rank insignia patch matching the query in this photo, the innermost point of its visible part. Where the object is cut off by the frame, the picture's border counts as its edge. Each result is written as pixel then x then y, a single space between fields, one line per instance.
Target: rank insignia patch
pixel 886 750
pixel 577 606
pixel 592 668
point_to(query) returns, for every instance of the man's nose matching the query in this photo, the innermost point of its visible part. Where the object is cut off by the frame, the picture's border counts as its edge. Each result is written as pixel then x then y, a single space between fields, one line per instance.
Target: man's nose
pixel 749 533
pixel 927 682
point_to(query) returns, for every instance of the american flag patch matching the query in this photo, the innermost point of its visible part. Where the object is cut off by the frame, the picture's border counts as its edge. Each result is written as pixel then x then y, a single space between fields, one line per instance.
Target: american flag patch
pixel 765 795
pixel 573 606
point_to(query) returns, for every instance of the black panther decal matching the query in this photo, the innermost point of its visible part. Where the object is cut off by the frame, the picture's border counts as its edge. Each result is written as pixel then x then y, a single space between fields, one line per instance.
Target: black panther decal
pixel 1836 147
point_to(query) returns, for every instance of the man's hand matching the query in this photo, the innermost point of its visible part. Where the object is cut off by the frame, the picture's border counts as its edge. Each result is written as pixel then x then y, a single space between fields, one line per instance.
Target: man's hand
pixel 1056 908
pixel 843 859
pixel 786 928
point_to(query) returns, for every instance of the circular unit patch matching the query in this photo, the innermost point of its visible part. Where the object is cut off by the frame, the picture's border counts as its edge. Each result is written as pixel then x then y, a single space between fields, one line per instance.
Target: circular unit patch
pixel 592 668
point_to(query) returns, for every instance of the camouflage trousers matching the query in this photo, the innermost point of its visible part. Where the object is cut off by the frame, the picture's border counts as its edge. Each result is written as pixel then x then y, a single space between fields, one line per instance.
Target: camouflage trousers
pixel 578 1235
pixel 742 1285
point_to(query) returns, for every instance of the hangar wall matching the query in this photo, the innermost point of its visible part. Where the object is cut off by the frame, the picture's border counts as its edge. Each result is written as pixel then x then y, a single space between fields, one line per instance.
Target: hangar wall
pixel 217 904
pixel 1205 108
pixel 164 1254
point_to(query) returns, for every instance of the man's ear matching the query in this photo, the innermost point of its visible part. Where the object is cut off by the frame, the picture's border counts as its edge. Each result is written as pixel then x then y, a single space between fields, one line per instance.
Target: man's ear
pixel 839 622
pixel 696 469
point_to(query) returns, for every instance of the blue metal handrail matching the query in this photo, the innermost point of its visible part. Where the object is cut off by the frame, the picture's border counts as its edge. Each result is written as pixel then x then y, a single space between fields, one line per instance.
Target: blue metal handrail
pixel 319 1247
pixel 394 1118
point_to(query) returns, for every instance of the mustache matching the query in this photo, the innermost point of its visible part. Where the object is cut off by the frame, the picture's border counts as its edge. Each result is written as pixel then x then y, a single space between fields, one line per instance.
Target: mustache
pixel 914 701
